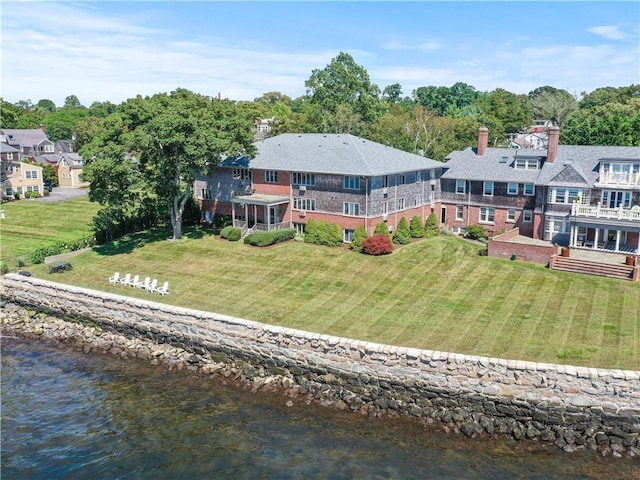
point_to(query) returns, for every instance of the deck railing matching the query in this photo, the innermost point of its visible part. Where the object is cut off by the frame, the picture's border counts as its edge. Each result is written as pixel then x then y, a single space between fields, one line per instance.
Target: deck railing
pixel 619 178
pixel 598 211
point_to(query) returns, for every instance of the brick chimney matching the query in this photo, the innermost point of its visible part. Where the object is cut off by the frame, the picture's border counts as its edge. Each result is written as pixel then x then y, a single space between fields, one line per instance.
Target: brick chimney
pixel 554 138
pixel 483 140
pixel 42 128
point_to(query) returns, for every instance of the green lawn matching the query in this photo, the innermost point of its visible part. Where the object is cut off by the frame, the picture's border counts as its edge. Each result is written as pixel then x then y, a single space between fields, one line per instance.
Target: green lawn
pixel 30 224
pixel 436 294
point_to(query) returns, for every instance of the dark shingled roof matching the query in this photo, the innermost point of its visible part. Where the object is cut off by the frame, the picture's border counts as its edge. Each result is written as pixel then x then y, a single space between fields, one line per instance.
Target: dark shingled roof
pixel 338 154
pixel 582 162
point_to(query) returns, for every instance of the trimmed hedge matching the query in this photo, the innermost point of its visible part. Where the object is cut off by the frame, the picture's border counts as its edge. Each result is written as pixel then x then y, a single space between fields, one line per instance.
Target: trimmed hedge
pixel 432 226
pixel 359 236
pixel 264 239
pixel 323 233
pixel 381 229
pixel 224 233
pixel 402 235
pixel 377 245
pixel 39 254
pixel 416 227
pixel 234 235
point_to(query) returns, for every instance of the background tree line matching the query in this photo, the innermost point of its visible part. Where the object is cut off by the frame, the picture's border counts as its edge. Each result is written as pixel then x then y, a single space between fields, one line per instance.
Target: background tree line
pixel 433 121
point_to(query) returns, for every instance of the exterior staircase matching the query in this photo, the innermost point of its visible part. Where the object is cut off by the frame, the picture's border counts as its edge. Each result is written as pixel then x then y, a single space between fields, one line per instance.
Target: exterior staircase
pixel 568 264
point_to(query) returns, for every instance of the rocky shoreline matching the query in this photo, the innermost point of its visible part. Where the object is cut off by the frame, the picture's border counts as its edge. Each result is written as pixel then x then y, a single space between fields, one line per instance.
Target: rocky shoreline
pixel 435 408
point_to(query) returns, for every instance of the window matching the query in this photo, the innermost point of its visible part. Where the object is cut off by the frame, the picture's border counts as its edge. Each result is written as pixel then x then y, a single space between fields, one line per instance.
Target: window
pixel 19 190
pixel 460 186
pixel 556 225
pixel 9 192
pixel 418 177
pixel 400 204
pixel 385 208
pixel 347 235
pixel 385 181
pixel 417 200
pixel 402 179
pixel 300 178
pixel 304 203
pixel 529 189
pixel 511 215
pixel 527 216
pixel 459 212
pixel 205 194
pixel 34 188
pixel 352 209
pixel 487 214
pixel 241 174
pixel 568 195
pixel 351 182
pixel 299 228
pixel 512 189
pixel 10 156
pixel 271 176
pixel 527 163
pixel 487 189
pixel 31 174
pixel 48 148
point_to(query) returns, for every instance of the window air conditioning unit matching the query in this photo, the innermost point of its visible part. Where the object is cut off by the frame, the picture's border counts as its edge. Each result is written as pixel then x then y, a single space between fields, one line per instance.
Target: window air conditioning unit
pixel 303 188
pixel 385 217
pixel 303 213
pixel 385 191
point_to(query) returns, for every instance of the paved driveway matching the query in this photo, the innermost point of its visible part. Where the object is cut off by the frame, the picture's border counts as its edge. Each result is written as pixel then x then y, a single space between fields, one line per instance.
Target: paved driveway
pixel 59 194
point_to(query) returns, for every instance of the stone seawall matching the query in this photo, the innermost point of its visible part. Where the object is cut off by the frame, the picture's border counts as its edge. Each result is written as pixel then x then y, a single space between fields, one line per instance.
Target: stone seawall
pixel 571 407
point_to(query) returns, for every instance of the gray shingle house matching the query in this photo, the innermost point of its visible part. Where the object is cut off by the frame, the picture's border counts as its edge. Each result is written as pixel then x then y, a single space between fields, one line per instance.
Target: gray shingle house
pixel 340 178
pixel 581 196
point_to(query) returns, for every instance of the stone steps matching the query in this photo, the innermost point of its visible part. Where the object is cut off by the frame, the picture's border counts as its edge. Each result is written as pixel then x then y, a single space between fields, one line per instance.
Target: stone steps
pixel 568 264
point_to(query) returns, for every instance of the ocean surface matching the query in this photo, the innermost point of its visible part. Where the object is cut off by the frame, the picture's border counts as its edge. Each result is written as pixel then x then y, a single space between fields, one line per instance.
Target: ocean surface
pixel 69 415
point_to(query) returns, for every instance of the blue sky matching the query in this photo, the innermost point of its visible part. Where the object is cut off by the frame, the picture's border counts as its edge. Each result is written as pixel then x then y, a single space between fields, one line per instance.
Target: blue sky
pixel 116 50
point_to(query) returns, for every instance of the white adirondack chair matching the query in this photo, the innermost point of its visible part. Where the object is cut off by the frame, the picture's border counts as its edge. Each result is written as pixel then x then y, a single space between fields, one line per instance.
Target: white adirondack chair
pixel 126 279
pixel 115 278
pixel 152 286
pixel 163 290
pixel 145 284
pixel 135 281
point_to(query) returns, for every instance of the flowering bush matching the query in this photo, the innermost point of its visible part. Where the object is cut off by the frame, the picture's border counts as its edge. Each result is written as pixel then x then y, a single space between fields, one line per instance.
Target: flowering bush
pixel 377 245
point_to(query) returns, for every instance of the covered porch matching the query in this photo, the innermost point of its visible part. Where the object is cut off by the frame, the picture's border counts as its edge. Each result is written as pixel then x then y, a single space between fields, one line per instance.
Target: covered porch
pixel 259 211
pixel 605 229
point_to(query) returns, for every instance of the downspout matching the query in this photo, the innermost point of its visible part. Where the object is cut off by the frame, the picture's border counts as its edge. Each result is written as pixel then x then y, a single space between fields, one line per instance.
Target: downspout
pixel 366 205
pixel 468 183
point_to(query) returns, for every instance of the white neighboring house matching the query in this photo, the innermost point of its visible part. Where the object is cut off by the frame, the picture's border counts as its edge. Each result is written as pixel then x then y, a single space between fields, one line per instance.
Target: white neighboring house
pixel 70 167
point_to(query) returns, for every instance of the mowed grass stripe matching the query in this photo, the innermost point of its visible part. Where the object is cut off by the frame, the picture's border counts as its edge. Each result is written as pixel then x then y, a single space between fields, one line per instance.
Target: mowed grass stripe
pixel 437 294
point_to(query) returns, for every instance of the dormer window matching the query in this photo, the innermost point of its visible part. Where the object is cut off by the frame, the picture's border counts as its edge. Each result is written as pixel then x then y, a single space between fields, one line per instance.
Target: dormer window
pixel 526 164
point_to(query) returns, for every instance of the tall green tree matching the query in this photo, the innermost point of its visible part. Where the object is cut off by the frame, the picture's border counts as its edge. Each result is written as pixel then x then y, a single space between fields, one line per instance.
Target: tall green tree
pixel 345 83
pixel 553 104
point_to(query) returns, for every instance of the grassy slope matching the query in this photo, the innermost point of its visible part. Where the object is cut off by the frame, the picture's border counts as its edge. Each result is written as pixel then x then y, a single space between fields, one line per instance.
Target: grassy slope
pixel 436 294
pixel 30 224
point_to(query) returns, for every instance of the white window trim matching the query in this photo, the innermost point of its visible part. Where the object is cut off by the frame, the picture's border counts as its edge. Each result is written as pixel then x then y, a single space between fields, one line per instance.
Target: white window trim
pixel 351 209
pixel 487 210
pixel 484 188
pixel 460 210
pixel 533 189
pixel 509 185
pixel 526 213
pixel 464 187
pixel 271 176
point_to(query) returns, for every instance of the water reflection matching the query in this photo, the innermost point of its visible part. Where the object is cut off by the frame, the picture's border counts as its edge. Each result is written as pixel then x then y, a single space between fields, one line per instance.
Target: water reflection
pixel 70 415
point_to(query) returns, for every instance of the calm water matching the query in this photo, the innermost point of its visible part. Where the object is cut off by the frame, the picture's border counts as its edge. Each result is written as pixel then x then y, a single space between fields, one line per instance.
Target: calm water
pixel 67 415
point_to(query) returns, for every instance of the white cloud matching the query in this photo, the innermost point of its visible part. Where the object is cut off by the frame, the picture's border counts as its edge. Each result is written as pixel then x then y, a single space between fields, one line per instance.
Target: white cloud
pixel 610 32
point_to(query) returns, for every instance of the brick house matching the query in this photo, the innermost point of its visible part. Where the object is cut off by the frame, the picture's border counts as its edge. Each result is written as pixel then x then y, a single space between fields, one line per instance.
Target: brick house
pixel 581 196
pixel 340 178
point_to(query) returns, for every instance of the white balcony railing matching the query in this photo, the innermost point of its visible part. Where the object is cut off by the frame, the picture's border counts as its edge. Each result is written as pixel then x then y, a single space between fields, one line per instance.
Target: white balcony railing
pixel 619 178
pixel 598 211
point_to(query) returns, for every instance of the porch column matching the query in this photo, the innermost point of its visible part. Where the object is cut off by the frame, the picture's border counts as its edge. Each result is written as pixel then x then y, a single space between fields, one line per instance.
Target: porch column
pixel 267 214
pixel 617 240
pixel 574 237
pixel 255 214
pixel 233 214
pixel 595 239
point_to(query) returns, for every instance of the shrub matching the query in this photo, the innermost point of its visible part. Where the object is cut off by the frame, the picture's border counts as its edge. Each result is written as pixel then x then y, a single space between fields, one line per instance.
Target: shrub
pixel 381 229
pixel 39 254
pixel 263 239
pixel 221 221
pixel 323 233
pixel 416 227
pixel 20 262
pixel 377 245
pixel 475 232
pixel 4 268
pixel 432 226
pixel 224 233
pixel 16 195
pixel 234 235
pixel 358 237
pixel 402 235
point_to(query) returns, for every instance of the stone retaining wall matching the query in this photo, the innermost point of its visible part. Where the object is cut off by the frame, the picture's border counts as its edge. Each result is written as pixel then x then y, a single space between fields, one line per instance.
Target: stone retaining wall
pixel 571 407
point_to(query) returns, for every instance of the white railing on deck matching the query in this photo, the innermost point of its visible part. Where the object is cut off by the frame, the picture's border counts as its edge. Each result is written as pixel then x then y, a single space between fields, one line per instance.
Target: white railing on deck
pixel 274 226
pixel 599 211
pixel 619 178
